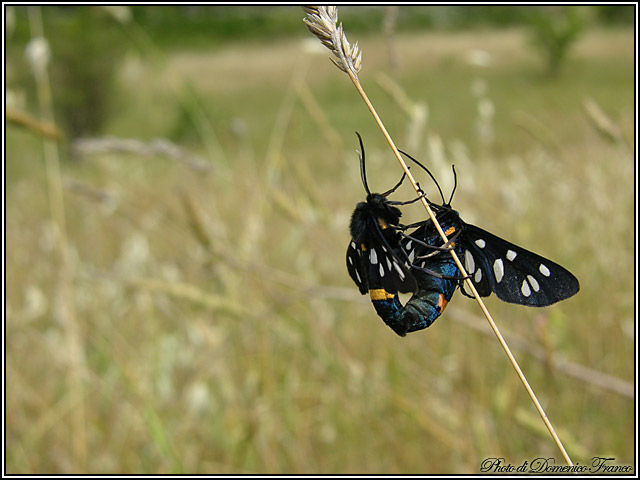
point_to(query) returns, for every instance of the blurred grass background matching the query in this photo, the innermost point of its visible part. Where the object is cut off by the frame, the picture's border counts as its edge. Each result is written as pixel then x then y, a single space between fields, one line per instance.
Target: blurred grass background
pixel 183 306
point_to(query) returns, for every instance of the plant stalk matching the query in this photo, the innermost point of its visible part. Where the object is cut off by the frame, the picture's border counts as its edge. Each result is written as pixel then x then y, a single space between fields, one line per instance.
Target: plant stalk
pixel 467 279
pixel 323 23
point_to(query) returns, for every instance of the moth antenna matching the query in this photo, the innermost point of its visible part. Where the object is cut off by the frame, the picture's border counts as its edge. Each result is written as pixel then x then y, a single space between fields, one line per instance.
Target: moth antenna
pixel 363 173
pixel 455 183
pixel 388 192
pixel 426 170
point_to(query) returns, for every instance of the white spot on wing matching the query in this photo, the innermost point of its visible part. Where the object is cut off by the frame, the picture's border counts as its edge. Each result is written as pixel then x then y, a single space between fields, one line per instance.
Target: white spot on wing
pixel 399 270
pixel 511 255
pixel 481 243
pixel 388 263
pixel 373 256
pixel 478 276
pixel 408 245
pixel 381 270
pixel 358 277
pixel 350 260
pixel 534 283
pixel 412 255
pixel 544 270
pixel 525 289
pixel 498 269
pixel 468 262
pixel 353 245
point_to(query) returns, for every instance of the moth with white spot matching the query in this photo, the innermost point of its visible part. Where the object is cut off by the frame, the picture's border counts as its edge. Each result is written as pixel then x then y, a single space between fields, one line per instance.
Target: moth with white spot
pixel 372 255
pixel 493 264
pixel 378 265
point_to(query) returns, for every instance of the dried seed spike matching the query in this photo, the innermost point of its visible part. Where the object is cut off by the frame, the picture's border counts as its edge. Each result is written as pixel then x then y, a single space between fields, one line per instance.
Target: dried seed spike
pixel 322 21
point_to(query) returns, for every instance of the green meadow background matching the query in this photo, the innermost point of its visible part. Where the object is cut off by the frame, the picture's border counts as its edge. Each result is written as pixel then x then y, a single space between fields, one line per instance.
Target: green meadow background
pixel 177 299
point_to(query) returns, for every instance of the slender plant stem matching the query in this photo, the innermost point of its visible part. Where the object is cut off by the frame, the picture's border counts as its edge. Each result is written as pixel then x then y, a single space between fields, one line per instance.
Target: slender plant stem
pixel 64 288
pixel 322 22
pixel 468 282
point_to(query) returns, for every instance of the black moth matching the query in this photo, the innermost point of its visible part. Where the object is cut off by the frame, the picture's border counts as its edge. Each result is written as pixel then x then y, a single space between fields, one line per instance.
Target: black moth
pixel 493 264
pixel 379 263
pixel 383 260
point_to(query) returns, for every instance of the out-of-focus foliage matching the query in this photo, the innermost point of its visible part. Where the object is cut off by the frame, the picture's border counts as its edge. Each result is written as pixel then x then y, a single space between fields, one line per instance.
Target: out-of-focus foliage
pixel 84 62
pixel 193 25
pixel 82 66
pixel 554 29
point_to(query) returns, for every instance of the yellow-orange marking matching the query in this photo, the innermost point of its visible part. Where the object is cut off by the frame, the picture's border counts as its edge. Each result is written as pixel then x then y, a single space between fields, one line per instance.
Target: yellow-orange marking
pixel 449 231
pixel 380 294
pixel 442 303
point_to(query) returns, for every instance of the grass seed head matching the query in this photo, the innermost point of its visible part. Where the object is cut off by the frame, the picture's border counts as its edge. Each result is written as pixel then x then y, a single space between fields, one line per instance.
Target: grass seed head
pixel 322 22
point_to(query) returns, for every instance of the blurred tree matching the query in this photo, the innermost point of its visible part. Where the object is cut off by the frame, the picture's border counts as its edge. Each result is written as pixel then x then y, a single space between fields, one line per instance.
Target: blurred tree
pixel 613 14
pixel 85 50
pixel 554 29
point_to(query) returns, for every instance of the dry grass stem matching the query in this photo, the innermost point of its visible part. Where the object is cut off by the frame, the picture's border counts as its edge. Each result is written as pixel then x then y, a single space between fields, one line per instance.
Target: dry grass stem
pixel 157 147
pixel 417 112
pixel 64 291
pixel 322 22
pixel 23 119
pixel 318 116
pixel 601 121
pixel 571 369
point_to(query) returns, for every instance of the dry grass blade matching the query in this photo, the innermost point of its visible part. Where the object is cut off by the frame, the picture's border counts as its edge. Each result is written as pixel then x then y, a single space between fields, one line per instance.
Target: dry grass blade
pixel 602 123
pixel 157 147
pixel 322 22
pixel 23 119
pixel 64 289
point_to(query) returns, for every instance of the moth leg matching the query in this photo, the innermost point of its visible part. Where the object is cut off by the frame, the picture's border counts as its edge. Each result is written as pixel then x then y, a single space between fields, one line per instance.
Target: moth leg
pixel 439 275
pixel 409 202
pixel 402 227
pixel 445 247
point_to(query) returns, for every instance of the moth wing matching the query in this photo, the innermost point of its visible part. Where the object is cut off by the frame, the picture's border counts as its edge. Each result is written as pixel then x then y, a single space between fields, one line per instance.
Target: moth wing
pixel 514 274
pixel 357 267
